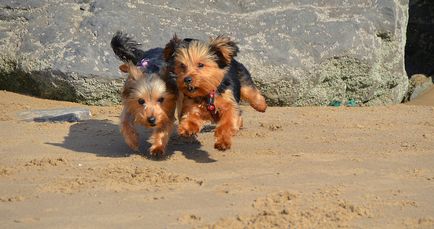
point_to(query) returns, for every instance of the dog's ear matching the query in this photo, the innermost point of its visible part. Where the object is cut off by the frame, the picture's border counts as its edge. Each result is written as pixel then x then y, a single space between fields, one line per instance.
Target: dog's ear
pixel 171 47
pixel 224 49
pixel 124 68
pixel 134 73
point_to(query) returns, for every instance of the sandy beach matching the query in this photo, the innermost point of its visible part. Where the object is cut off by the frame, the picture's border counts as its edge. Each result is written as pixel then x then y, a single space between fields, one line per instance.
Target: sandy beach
pixel 306 167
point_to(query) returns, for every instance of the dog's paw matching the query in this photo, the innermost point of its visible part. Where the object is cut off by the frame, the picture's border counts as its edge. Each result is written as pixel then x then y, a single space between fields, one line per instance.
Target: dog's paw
pixel 259 104
pixel 261 107
pixel 186 130
pixel 156 151
pixel 222 145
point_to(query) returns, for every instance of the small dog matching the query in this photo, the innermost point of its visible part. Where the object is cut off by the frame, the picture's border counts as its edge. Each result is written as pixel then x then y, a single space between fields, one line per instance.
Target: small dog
pixel 149 95
pixel 212 83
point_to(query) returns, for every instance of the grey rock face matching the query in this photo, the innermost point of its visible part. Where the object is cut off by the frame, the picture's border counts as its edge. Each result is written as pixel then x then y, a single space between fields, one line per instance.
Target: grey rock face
pixel 73 114
pixel 300 52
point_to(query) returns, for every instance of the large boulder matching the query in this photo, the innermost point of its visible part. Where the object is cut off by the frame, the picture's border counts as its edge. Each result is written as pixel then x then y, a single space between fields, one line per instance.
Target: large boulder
pixel 300 52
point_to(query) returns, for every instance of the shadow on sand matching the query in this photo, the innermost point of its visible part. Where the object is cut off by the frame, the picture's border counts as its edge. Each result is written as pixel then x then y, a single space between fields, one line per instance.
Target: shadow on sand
pixel 103 138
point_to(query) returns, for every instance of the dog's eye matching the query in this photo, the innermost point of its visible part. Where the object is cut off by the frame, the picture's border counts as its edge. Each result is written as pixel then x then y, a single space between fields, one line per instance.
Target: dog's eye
pixel 182 66
pixel 141 101
pixel 200 65
pixel 161 100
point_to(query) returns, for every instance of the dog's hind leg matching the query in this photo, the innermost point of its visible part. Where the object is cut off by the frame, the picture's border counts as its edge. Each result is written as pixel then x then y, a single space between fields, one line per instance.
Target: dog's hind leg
pixel 254 98
pixel 249 92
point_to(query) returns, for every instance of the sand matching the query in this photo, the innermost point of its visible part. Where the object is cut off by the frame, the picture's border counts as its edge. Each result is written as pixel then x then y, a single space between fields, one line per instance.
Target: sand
pixel 425 99
pixel 311 167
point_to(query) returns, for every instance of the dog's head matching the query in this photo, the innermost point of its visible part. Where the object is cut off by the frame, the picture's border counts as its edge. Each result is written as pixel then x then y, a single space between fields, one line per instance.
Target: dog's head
pixel 200 66
pixel 145 97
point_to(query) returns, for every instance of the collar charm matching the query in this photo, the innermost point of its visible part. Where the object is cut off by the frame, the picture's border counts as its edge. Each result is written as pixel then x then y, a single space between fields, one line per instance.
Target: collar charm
pixel 210 103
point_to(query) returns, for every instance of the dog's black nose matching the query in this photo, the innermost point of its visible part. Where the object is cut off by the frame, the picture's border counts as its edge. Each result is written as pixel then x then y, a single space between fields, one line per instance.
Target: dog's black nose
pixel 188 80
pixel 152 120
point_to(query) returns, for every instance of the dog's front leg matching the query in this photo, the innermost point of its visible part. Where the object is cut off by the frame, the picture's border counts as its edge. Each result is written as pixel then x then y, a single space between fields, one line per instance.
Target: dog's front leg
pixel 192 118
pixel 160 138
pixel 228 124
pixel 128 131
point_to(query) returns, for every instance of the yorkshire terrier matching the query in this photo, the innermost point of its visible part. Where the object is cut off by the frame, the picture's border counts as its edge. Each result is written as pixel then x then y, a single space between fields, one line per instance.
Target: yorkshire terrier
pixel 149 95
pixel 212 83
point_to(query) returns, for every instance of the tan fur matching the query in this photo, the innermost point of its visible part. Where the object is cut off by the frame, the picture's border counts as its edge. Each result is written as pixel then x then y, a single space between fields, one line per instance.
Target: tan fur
pixel 223 45
pixel 151 89
pixel 254 97
pixel 124 68
pixel 195 115
pixel 229 122
pixel 179 102
pixel 198 61
pixel 187 65
pixel 128 131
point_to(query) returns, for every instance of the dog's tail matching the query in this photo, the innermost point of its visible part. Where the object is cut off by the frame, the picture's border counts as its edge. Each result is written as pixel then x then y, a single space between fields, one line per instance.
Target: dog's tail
pixel 126 48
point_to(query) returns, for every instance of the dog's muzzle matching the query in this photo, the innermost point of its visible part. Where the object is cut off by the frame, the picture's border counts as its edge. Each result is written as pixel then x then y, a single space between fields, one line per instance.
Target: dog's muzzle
pixel 187 81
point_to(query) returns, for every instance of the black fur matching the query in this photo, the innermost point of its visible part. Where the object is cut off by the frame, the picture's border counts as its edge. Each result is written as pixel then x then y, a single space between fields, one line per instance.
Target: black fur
pixel 231 82
pixel 126 48
pixel 221 62
pixel 243 74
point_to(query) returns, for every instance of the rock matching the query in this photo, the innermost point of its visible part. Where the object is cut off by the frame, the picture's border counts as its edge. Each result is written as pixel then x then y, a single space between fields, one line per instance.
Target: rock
pixel 300 52
pixel 73 114
pixel 419 53
pixel 419 84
